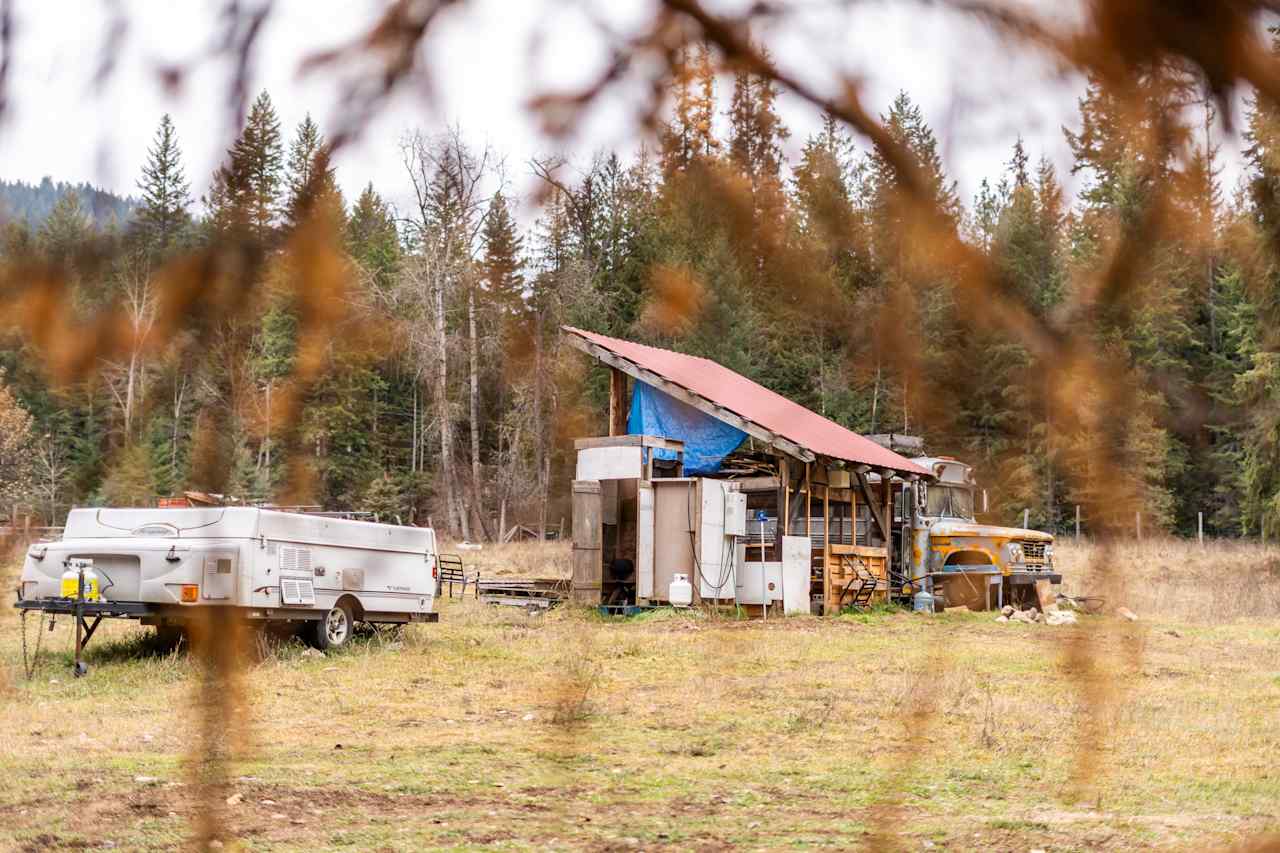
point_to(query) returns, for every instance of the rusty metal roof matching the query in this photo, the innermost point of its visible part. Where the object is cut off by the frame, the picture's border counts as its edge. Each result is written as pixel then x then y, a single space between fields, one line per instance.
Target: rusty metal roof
pixel 733 396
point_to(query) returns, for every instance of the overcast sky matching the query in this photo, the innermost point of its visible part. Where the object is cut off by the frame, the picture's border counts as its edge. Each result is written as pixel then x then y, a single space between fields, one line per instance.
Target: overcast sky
pixel 977 92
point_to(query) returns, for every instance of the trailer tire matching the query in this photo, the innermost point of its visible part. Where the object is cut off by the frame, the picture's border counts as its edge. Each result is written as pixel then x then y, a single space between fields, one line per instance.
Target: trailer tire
pixel 170 637
pixel 334 629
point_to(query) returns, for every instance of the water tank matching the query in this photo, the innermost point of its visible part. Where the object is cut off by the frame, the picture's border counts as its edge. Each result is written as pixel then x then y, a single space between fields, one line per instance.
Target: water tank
pixel 680 594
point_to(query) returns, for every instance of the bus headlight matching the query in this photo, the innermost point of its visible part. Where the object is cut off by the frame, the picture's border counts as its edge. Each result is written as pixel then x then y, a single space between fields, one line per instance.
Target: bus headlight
pixel 1015 553
pixel 1048 553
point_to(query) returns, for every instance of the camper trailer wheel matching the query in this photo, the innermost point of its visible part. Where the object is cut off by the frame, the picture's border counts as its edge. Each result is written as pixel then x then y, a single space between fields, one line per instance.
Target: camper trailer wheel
pixel 169 637
pixel 334 629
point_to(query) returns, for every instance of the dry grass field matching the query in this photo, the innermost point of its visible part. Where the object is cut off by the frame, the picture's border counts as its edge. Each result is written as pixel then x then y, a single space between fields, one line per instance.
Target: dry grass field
pixel 499 730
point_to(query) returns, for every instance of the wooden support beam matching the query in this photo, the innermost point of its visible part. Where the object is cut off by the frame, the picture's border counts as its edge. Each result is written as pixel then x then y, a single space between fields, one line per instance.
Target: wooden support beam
pixel 784 475
pixel 808 500
pixel 617 402
pixel 826 545
pixel 684 395
pixel 877 514
pixel 886 485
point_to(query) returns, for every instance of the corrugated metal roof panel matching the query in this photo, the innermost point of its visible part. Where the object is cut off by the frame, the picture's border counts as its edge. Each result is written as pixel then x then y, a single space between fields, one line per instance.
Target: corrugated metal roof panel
pixel 753 402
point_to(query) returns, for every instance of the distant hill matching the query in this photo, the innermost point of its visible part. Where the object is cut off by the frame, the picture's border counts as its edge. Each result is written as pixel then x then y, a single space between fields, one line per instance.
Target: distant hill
pixel 33 202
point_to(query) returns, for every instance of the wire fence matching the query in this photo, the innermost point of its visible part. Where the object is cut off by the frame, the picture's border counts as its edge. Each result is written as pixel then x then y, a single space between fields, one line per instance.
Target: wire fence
pixel 201 297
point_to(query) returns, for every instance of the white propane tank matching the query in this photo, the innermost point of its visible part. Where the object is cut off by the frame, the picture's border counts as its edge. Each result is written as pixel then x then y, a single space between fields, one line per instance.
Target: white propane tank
pixel 680 593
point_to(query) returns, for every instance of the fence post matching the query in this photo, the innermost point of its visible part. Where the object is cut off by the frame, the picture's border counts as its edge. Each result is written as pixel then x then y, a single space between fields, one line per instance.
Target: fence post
pixel 1137 520
pixel 1026 519
pixel 1200 527
pixel 1077 522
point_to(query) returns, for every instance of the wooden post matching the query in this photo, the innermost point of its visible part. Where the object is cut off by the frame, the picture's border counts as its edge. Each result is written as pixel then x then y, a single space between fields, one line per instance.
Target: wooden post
pixel 784 477
pixel 1200 527
pixel 853 516
pixel 886 485
pixel 1026 519
pixel 617 402
pixel 1077 522
pixel 826 543
pixel 808 500
pixel 1137 520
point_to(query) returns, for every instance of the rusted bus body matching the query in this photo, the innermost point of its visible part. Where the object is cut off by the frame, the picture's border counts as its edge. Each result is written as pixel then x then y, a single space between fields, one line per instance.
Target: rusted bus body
pixel 945 549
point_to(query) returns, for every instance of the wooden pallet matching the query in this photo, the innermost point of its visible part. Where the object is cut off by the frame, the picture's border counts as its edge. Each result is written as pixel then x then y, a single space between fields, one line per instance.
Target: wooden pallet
pixel 855 575
pixel 524 592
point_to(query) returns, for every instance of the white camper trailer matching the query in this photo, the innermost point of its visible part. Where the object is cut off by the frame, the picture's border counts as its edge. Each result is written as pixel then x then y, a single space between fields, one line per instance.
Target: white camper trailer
pixel 158 565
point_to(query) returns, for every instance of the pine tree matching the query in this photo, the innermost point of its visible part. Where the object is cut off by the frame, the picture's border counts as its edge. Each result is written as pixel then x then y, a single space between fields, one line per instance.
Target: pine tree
pixel 501 263
pixel 310 178
pixel 131 481
pixel 250 182
pixel 66 230
pixel 756 132
pixel 385 498
pixel 690 134
pixel 372 238
pixel 166 195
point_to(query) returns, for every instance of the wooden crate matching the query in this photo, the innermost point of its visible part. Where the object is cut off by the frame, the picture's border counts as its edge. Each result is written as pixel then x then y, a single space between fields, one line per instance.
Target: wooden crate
pixel 842 563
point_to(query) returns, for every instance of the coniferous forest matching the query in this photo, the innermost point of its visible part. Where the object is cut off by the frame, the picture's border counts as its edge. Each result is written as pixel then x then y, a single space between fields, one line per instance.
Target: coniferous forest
pixel 439 387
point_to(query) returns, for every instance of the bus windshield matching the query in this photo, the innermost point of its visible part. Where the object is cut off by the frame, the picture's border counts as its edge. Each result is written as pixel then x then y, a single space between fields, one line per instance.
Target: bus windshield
pixel 949 502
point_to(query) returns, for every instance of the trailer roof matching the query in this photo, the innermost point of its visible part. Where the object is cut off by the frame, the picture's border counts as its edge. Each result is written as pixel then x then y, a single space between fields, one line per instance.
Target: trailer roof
pixel 715 389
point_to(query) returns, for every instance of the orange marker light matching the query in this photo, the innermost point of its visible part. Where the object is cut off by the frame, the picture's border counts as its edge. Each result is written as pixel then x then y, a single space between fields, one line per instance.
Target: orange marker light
pixel 190 593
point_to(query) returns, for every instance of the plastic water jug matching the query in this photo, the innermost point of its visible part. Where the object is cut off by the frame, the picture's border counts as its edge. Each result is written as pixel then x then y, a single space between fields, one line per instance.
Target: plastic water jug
pixel 922 601
pixel 680 594
pixel 70 586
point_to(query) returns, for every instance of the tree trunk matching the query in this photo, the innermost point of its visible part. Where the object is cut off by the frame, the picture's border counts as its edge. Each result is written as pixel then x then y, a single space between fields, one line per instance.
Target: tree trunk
pixel 128 399
pixel 540 450
pixel 178 392
pixel 875 398
pixel 477 496
pixel 455 521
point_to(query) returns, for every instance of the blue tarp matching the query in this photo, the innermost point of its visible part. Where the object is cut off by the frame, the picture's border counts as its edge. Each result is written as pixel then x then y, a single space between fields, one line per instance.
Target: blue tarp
pixel 706 440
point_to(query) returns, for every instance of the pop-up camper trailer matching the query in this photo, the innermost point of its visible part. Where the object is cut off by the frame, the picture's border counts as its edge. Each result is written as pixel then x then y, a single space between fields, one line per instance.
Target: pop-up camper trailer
pixel 160 565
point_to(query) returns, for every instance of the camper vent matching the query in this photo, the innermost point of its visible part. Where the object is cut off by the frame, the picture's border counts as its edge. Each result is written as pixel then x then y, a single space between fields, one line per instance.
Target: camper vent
pixel 297 591
pixel 295 560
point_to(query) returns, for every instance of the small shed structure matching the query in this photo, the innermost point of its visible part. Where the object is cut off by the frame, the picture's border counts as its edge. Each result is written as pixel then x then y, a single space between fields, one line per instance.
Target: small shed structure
pixel 802 474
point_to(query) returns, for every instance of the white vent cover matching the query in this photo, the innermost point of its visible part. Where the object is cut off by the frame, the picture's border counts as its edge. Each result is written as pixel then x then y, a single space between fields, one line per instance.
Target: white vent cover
pixel 295 560
pixel 297 591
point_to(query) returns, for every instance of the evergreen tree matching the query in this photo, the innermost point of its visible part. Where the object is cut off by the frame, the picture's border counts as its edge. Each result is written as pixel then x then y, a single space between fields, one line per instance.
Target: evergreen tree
pixel 65 231
pixel 311 181
pixel 244 196
pixel 372 238
pixel 162 215
pixel 500 267
pixel 131 481
pixel 1128 152
pixel 690 134
pixel 385 498
pixel 259 157
pixel 756 134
